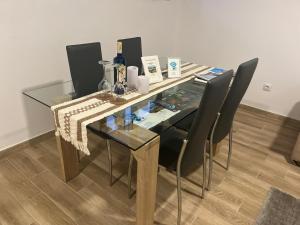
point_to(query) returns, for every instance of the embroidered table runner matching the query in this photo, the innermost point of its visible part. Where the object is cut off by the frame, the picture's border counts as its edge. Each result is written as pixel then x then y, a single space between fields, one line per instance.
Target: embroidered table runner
pixel 72 117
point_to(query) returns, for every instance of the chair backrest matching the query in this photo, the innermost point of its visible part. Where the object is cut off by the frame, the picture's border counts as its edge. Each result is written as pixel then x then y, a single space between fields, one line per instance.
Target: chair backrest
pixel 237 90
pixel 85 70
pixel 211 102
pixel 132 52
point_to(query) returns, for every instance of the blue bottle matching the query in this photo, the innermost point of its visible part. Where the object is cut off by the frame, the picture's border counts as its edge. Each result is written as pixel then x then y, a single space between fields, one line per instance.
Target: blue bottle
pixel 120 70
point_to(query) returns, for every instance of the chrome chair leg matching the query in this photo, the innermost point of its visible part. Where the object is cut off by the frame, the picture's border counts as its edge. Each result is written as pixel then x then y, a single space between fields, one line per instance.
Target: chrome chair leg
pixel 210 164
pixel 130 175
pixel 178 174
pixel 230 149
pixel 204 174
pixel 211 138
pixel 179 198
pixel 109 162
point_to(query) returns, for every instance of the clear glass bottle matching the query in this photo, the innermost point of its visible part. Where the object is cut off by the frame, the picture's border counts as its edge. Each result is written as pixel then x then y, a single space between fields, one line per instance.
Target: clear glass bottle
pixel 105 85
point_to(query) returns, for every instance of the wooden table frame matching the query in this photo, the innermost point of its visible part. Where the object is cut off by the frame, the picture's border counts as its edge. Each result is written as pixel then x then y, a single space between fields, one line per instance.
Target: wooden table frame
pixel 147 165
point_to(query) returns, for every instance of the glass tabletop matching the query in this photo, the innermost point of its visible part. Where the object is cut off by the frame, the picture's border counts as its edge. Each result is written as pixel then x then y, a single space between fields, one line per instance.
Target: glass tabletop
pixel 53 94
pixel 139 123
pixel 59 92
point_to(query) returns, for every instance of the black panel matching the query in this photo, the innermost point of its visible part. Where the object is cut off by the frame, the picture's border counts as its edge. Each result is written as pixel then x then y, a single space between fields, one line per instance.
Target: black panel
pixel 132 51
pixel 85 70
pixel 237 91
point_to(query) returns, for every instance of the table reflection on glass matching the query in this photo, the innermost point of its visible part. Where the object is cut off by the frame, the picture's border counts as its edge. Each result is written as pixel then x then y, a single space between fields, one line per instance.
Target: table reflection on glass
pixel 149 118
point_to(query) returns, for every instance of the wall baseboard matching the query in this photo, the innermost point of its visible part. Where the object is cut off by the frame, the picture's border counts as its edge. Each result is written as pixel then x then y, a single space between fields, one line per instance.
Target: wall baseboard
pixel 282 120
pixel 26 144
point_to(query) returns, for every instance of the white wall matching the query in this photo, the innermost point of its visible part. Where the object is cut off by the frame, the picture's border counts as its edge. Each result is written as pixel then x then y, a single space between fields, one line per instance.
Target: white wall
pixel 33 37
pixel 226 33
pixel 34 34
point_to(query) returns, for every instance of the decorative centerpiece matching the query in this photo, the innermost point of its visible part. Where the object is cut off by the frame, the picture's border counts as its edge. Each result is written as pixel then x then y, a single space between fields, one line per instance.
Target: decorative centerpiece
pixel 119 86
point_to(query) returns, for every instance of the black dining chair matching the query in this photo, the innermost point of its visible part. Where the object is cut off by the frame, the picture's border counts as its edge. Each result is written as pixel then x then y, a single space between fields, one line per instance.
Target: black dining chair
pixel 85 70
pixel 184 152
pixel 132 52
pixel 86 75
pixel 223 127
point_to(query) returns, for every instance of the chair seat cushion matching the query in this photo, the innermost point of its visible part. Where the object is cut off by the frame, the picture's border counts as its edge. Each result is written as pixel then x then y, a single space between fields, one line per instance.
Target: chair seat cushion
pixel 170 146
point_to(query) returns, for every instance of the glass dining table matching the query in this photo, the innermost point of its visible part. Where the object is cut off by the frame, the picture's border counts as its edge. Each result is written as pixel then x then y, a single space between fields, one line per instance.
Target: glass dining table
pixel 137 127
pixel 152 116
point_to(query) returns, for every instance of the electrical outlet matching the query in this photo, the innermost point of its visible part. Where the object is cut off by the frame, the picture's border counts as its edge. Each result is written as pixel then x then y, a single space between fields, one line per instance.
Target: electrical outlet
pixel 267 87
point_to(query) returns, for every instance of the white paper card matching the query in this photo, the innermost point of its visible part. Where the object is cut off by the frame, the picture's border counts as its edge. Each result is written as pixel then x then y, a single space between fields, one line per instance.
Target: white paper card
pixel 152 69
pixel 174 67
pixel 153 119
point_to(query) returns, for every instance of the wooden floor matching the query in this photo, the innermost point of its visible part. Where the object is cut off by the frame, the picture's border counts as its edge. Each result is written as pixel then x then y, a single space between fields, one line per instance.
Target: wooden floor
pixel 31 191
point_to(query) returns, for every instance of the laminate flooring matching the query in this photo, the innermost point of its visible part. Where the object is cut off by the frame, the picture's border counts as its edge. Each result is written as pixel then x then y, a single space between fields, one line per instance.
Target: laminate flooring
pixel 32 193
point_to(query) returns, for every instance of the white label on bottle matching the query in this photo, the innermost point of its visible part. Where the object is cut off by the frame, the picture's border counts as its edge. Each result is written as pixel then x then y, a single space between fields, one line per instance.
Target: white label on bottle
pixel 122 73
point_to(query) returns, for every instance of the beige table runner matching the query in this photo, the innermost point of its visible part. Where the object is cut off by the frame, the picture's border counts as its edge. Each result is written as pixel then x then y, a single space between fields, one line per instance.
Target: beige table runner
pixel 72 117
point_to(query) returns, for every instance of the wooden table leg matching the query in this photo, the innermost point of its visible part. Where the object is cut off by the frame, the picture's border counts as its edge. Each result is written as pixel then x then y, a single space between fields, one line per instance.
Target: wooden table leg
pixel 69 159
pixel 147 165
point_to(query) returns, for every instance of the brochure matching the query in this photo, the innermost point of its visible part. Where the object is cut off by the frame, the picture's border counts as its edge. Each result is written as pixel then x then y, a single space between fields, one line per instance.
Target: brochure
pixel 152 69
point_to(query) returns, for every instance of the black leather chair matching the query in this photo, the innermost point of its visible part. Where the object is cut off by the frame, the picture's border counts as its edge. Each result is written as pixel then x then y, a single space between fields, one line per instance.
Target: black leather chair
pixel 183 151
pixel 223 127
pixel 85 70
pixel 86 75
pixel 132 51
